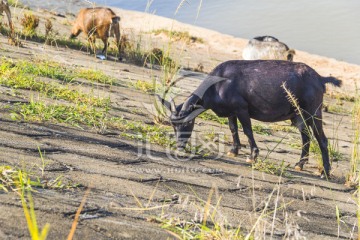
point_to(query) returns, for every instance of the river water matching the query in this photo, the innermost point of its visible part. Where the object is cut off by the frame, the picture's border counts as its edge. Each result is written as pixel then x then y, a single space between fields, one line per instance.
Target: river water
pixel 326 27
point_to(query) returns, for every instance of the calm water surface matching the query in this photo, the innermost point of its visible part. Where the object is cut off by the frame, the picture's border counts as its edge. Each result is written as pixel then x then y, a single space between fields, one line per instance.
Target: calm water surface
pixel 325 27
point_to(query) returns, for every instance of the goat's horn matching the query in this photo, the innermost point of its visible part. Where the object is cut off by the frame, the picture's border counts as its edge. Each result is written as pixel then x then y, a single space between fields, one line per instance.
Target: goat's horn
pixel 173 106
pixel 188 117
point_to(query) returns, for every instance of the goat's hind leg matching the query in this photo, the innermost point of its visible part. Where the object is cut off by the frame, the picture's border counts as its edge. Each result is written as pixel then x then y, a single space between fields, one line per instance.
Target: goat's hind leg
pixel 323 144
pixel 245 121
pixel 106 44
pixel 235 134
pixel 304 129
pixel 92 43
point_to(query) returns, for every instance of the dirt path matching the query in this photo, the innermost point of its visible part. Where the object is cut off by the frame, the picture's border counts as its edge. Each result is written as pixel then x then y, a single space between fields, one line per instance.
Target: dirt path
pixel 131 192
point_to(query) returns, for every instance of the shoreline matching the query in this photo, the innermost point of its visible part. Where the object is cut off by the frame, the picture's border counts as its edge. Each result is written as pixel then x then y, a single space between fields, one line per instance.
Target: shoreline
pixel 213 51
pixel 325 66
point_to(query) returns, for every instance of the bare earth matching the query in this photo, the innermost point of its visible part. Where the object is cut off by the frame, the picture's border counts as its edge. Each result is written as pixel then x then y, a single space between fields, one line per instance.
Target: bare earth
pixel 130 192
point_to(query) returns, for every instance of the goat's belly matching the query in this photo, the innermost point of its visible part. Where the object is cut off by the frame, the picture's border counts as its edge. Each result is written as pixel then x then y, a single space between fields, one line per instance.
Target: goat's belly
pixel 272 115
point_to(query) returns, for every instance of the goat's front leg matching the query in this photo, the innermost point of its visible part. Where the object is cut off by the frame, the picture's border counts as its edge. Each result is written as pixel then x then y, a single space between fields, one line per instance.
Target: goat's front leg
pixel 245 121
pixel 106 44
pixel 235 134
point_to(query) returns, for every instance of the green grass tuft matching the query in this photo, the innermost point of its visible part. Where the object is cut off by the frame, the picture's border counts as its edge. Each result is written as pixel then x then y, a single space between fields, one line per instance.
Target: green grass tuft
pixel 145 86
pixel 74 115
pixel 271 168
pixel 23 75
pixel 94 76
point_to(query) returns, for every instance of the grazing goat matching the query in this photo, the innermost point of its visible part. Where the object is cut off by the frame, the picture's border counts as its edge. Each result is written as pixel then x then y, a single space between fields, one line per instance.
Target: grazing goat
pixel 266 48
pixel 97 23
pixel 260 89
pixel 4 7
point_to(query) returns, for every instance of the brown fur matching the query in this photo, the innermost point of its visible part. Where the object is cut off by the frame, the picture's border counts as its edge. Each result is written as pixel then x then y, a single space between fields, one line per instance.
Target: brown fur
pixel 4 7
pixel 97 23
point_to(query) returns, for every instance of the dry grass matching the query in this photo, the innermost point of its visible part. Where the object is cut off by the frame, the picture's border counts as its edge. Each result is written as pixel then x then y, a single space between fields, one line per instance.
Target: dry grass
pixel 30 22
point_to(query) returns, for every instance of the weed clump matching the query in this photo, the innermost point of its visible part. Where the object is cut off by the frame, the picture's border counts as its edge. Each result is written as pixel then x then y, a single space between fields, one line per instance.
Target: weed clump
pixel 94 76
pixel 48 27
pixel 23 75
pixel 353 176
pixel 271 168
pixel 179 36
pixel 73 115
pixel 29 23
pixel 146 87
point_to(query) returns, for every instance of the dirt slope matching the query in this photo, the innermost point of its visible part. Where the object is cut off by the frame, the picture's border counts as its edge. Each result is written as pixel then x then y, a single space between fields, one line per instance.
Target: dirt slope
pixel 131 192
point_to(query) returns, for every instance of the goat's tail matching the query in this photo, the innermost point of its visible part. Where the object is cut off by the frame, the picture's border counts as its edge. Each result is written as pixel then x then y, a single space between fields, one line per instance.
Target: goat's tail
pixel 334 81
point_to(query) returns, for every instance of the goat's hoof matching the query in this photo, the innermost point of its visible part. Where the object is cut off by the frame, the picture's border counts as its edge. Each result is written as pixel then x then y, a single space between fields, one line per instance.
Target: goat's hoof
pixel 298 168
pixel 249 160
pixel 180 152
pixel 325 175
pixel 231 154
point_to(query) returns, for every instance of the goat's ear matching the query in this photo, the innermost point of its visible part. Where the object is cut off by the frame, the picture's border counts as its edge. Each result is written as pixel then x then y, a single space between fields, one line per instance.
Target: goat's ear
pixel 116 20
pixel 167 104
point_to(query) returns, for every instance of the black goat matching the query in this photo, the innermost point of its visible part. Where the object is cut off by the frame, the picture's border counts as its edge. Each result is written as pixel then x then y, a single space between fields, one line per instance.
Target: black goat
pixel 256 89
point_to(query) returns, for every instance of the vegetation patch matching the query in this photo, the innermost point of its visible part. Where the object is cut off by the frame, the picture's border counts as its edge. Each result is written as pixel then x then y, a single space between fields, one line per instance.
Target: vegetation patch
pixel 94 76
pixel 74 115
pixel 44 69
pixel 334 155
pixel 184 229
pixel 23 76
pixel 261 129
pixel 271 168
pixel 98 118
pixel 335 109
pixel 29 23
pixel 283 128
pixel 353 176
pixel 145 86
pixel 52 39
pixel 209 116
pixel 143 132
pixel 16 3
pixel 54 70
pixel 342 96
pixel 179 36
pixel 13 179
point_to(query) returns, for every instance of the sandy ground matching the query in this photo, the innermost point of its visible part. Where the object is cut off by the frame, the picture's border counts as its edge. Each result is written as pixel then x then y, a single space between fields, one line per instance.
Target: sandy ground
pixel 121 181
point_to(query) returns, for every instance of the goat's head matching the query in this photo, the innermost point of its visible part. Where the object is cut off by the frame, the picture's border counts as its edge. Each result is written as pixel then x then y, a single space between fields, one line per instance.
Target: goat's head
pixel 290 55
pixel 182 119
pixel 75 30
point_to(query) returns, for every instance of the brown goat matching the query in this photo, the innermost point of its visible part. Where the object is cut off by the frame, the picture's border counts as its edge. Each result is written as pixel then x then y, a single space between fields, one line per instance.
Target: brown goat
pixel 98 23
pixel 4 7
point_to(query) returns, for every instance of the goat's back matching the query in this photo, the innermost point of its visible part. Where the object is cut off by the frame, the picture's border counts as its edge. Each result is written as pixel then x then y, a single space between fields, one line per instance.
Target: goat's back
pixel 95 18
pixel 262 85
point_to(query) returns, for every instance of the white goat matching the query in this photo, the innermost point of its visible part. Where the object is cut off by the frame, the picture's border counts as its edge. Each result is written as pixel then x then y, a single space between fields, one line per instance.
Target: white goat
pixel 267 47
